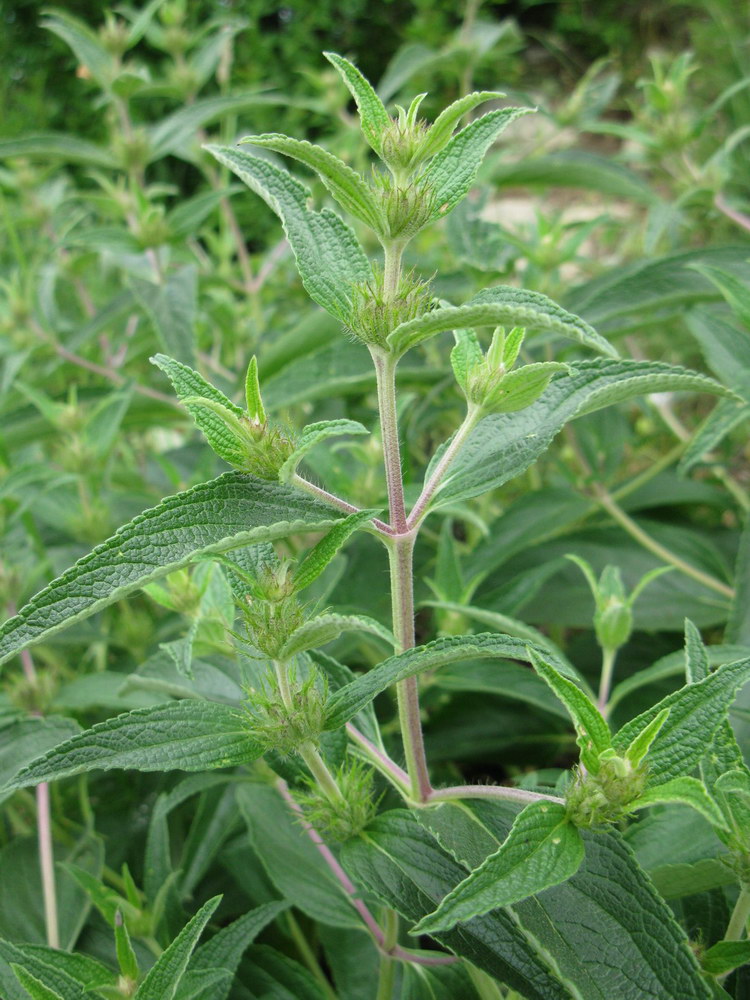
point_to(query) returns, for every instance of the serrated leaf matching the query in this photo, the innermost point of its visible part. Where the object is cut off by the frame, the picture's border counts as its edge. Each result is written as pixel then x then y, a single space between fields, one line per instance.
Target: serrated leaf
pixel 722 420
pixel 87 971
pixel 44 968
pixel 438 135
pixel 328 256
pixel 724 956
pixel 347 701
pixel 325 628
pixel 316 560
pixel 501 305
pixel 255 410
pixel 503 446
pixel 312 435
pixel 520 388
pixel 374 118
pixel 164 976
pixel 685 791
pixel 36 988
pixel 229 512
pixel 696 713
pixel 225 949
pixel 451 173
pixel 592 732
pixel 126 957
pixel 697 666
pixel 345 184
pixel 542 849
pixel 184 736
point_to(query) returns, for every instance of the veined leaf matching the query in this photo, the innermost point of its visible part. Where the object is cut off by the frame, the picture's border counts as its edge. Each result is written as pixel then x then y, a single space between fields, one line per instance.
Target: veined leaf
pixel 312 435
pixel 542 849
pixel 181 736
pixel 44 969
pixel 502 305
pixel 520 388
pixel 215 418
pixel 36 988
pixel 345 184
pixel 164 977
pixel 328 256
pixel 452 172
pixel 346 702
pixel 325 628
pixel 721 421
pixel 593 735
pixel 316 560
pixel 466 356
pixel 686 791
pixel 229 512
pixel 86 971
pixel 438 135
pixel 373 116
pixel 697 666
pixel 725 956
pixel 225 948
pixel 642 742
pixel 502 446
pixel 696 713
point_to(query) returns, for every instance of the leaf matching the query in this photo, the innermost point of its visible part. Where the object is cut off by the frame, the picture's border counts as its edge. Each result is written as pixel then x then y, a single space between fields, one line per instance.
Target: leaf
pixel 438 135
pixel 87 971
pixel 172 309
pixel 466 356
pixel 502 446
pixel 543 849
pixel 226 513
pixel 274 976
pixel 225 949
pixel 721 958
pixel 325 628
pixel 642 742
pixel 312 435
pixel 593 735
pixel 685 790
pixel 684 879
pixel 345 184
pixel 451 173
pixel 316 560
pixel 721 421
pixel 190 387
pixel 164 977
pixel 696 712
pixel 184 735
pixel 25 739
pixel 36 988
pixel 177 133
pixel 86 47
pixel 255 410
pixel 374 119
pixel 501 305
pixel 738 626
pixel 734 291
pixel 697 666
pixel 44 970
pixel 329 258
pixel 346 702
pixel 58 145
pixel 522 387
pixel 574 168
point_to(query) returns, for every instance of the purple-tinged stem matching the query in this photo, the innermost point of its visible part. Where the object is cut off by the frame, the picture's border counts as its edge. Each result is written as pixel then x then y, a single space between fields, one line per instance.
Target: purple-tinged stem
pixel 381 760
pixel 334 501
pixel 489 792
pixel 438 474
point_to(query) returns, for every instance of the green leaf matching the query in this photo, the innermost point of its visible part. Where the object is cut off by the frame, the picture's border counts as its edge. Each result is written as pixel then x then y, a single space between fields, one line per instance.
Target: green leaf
pixel 177 133
pixel 58 145
pixel 312 435
pixel 642 742
pixel 721 421
pixel 36 988
pixel 172 308
pixel 225 949
pixel 374 118
pixel 22 740
pixel 346 702
pixel 345 184
pixel 451 173
pixel 86 47
pixel 684 879
pixel 83 969
pixel 325 628
pixel 502 446
pixel 229 512
pixel 216 418
pixel 732 790
pixel 316 560
pixel 502 305
pixel 44 968
pixel 592 732
pixel 721 958
pixel 274 976
pixel 328 256
pixel 466 356
pixel 697 666
pixel 738 626
pixel 522 387
pixel 440 132
pixel 543 849
pixel 686 791
pixel 696 712
pixel 255 410
pixel 184 735
pixel 126 957
pixel 164 976
pixel 735 292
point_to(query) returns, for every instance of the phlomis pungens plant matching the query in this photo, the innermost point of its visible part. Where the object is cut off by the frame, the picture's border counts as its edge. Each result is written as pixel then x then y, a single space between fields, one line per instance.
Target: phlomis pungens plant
pixel 488 890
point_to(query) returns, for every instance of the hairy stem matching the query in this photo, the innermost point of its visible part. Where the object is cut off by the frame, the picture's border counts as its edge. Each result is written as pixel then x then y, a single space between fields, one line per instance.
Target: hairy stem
pixel 334 501
pixel 503 792
pixel 385 374
pixel 431 486
pixel 380 760
pixel 605 681
pixel 740 915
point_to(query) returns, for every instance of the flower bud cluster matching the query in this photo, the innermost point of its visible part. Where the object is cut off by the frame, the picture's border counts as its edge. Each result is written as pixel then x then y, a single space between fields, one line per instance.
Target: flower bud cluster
pixel 287 727
pixel 375 313
pixel 604 798
pixel 347 817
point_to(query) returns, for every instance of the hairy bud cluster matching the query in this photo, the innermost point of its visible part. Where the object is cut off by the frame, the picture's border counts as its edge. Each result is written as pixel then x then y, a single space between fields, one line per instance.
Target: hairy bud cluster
pixel 347 817
pixel 285 728
pixel 603 798
pixel 375 313
pixel 267 448
pixel 270 623
pixel 407 207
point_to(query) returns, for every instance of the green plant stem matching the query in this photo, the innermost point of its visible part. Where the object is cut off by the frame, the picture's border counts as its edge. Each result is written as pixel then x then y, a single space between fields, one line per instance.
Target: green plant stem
pixel 400 551
pixel 387 967
pixel 431 486
pixel 504 792
pixel 605 681
pixel 331 498
pixel 380 760
pixel 740 915
pixel 308 957
pixel 385 374
pixel 641 536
